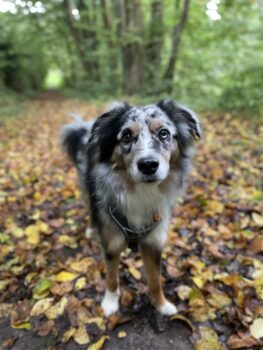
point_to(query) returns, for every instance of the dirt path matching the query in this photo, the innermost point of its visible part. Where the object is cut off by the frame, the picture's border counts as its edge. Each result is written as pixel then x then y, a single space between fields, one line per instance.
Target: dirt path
pixel 52 277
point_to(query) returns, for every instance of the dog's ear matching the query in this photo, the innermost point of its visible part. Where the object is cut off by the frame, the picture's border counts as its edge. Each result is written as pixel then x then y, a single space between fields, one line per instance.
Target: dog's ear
pixel 185 120
pixel 107 127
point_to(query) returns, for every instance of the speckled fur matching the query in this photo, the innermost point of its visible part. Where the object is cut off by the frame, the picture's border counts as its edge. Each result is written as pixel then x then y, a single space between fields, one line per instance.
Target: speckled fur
pixel 109 174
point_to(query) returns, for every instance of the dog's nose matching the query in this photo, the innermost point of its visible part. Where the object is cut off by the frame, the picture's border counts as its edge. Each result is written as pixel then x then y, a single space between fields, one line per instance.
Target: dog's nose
pixel 148 166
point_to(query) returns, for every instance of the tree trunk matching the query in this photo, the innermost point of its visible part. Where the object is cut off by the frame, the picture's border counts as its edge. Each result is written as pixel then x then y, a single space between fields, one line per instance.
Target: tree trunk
pixel 177 33
pixel 131 26
pixel 154 45
pixel 84 38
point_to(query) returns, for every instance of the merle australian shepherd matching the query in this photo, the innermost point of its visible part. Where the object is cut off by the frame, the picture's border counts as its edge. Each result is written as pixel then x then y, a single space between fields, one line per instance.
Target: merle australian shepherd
pixel 132 163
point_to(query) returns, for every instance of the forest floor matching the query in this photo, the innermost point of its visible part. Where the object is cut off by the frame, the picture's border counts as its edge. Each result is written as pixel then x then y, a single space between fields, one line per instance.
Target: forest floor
pixel 52 277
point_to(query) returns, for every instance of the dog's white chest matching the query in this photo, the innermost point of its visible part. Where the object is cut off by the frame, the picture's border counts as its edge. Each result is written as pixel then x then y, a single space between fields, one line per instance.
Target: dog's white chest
pixel 143 203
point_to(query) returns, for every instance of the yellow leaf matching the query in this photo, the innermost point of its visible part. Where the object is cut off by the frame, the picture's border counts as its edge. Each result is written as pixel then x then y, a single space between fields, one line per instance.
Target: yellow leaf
pixel 256 329
pixel 81 336
pixel 258 219
pixel 32 233
pixel 99 344
pixel 41 306
pixel 184 319
pixel 23 325
pixel 122 334
pixel 68 241
pixel 65 276
pixel 17 232
pixel 219 300
pixel 81 283
pixel 99 322
pixel 4 284
pixel 57 309
pixel 198 281
pixel 68 334
pixel 214 207
pixel 209 340
pixel 135 273
pixel 43 227
pixel 82 265
pixel 36 215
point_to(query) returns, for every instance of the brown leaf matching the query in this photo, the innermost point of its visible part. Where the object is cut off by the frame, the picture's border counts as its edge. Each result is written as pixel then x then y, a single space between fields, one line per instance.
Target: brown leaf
pixel 20 314
pixel 45 328
pixel 256 246
pixel 241 340
pixel 117 319
pixel 61 288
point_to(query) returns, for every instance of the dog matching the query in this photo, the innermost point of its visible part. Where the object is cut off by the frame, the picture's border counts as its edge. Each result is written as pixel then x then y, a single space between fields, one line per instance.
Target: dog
pixel 132 163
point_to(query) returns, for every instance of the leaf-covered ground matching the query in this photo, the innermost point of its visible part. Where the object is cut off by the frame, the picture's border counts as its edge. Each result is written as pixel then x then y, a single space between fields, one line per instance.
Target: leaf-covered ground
pixel 52 277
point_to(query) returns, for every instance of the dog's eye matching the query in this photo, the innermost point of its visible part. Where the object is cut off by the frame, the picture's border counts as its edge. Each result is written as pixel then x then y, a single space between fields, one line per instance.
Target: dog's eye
pixel 164 134
pixel 126 137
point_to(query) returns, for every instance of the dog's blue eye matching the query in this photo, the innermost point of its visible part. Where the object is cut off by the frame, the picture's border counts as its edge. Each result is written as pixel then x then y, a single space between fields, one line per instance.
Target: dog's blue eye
pixel 164 134
pixel 126 137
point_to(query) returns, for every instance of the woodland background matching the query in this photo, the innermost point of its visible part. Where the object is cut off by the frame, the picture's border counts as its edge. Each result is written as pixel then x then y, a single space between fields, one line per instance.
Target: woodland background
pixel 206 53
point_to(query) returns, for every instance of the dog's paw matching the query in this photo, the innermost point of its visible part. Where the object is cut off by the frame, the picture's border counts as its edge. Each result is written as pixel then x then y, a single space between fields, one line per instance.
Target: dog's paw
pixel 110 302
pixel 89 232
pixel 167 309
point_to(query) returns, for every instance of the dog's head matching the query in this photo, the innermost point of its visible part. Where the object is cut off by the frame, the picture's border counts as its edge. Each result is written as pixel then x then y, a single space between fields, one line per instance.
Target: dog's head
pixel 145 142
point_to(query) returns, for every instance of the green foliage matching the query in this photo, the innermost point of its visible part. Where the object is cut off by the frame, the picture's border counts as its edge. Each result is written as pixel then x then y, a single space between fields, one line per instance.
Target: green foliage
pixel 101 53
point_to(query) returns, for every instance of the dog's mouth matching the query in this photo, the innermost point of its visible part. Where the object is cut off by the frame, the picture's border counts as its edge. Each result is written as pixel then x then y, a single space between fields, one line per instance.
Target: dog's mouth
pixel 150 179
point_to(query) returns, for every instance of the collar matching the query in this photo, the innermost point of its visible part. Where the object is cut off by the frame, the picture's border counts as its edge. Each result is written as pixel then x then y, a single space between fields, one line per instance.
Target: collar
pixel 131 234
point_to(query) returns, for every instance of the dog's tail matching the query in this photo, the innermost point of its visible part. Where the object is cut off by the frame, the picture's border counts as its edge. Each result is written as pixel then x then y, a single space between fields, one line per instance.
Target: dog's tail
pixel 75 136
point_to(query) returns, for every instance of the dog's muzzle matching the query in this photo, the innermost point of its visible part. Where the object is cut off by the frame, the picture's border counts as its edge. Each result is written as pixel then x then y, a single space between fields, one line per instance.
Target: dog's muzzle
pixel 148 165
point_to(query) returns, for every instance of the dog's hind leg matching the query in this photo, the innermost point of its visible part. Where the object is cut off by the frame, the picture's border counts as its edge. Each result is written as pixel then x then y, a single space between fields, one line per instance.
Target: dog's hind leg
pixel 152 264
pixel 110 302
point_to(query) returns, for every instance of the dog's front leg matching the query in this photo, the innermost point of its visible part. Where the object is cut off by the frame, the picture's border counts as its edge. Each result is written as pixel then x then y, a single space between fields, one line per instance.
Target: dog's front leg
pixel 110 302
pixel 152 264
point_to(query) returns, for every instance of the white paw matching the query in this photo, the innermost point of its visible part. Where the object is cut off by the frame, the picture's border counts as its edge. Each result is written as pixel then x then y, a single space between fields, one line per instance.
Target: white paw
pixel 89 231
pixel 110 302
pixel 168 309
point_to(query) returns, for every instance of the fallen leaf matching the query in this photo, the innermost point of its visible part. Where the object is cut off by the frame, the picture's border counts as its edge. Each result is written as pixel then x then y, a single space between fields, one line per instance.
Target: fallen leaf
pixel 45 328
pixel 68 241
pixel 82 265
pixel 20 315
pixel 117 319
pixel 56 310
pixel 135 273
pixel 65 276
pixel 99 322
pixel 256 329
pixel 198 281
pixel 122 334
pixel 5 309
pixel 68 334
pixel 242 340
pixel 184 319
pixel 81 336
pixel 61 288
pixel 41 289
pixel 258 219
pixel 209 340
pixel 99 344
pixel 256 246
pixel 33 234
pixel 41 306
pixel 183 292
pixel 81 283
